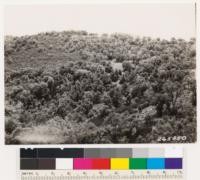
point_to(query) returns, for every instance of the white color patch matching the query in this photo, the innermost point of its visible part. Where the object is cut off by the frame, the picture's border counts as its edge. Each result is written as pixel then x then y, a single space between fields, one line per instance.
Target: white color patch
pixel 64 163
pixel 174 152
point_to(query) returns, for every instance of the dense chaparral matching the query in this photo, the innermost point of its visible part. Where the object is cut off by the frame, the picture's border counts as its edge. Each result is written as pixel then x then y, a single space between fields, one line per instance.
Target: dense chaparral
pixel 77 87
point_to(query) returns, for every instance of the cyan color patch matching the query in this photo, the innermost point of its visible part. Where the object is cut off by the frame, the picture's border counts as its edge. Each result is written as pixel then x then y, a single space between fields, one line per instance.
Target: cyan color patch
pixel 155 163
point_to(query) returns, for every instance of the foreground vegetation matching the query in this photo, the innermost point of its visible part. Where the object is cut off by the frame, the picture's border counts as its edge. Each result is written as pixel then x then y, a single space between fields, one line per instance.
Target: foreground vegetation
pixel 76 87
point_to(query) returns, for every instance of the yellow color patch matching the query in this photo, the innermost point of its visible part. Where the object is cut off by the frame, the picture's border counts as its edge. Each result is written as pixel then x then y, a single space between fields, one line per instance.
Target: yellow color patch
pixel 119 163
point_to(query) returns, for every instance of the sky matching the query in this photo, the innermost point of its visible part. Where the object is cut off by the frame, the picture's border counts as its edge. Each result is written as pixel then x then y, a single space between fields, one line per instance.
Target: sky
pixel 153 20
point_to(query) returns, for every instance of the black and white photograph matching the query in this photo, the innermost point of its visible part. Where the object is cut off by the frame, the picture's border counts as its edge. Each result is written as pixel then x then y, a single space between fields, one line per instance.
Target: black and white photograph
pixel 100 74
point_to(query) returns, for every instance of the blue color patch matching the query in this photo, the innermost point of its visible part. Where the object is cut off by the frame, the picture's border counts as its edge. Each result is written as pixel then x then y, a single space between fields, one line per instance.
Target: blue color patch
pixel 155 163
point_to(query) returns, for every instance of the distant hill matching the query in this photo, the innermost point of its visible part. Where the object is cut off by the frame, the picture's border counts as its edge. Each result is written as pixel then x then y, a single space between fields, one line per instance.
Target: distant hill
pixel 79 87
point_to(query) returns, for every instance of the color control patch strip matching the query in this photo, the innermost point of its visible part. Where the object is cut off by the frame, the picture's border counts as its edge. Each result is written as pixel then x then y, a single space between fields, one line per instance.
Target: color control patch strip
pixel 101 159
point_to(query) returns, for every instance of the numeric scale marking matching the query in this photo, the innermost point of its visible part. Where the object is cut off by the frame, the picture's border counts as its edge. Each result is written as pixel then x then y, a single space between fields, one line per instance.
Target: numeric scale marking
pixel 103 175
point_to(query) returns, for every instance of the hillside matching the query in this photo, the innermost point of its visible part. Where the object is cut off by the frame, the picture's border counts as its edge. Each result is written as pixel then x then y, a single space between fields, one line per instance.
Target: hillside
pixel 77 87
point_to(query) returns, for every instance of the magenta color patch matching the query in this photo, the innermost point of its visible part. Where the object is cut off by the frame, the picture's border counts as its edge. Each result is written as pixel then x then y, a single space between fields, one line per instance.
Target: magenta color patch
pixel 82 163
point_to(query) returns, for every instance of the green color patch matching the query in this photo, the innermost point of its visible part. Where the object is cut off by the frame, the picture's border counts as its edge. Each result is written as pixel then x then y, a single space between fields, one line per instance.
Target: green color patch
pixel 138 163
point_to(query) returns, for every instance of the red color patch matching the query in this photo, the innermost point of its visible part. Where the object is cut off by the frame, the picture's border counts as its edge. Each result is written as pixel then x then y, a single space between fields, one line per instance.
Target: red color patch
pixel 101 163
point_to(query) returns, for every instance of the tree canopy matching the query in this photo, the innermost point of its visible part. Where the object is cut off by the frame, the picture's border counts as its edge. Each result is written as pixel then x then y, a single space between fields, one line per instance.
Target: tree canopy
pixel 77 87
